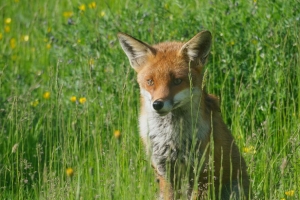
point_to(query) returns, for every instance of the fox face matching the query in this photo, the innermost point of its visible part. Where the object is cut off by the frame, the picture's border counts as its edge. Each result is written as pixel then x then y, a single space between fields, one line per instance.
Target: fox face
pixel 169 73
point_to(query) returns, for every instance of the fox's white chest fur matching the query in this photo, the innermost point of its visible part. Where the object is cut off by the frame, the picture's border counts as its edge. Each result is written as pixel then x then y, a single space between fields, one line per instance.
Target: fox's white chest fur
pixel 170 137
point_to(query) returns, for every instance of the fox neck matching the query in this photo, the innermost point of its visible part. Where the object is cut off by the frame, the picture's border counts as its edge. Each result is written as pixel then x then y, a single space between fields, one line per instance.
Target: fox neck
pixel 171 136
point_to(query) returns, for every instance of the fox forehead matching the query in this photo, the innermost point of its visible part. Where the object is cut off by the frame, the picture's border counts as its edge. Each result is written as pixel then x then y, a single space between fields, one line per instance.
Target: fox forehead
pixel 167 55
pixel 168 46
pixel 166 63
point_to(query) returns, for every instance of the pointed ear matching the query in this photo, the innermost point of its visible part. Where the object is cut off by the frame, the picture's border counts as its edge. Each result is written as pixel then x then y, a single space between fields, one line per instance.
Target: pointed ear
pixel 197 48
pixel 136 50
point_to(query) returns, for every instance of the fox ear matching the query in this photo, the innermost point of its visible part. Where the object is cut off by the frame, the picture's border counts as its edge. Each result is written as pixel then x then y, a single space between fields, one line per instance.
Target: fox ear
pixel 197 48
pixel 136 50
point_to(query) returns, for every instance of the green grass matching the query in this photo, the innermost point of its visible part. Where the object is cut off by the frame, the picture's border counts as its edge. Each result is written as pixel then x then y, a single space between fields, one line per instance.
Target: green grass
pixel 254 67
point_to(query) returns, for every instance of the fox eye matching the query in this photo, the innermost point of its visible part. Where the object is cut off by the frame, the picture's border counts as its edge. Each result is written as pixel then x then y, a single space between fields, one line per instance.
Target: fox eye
pixel 177 81
pixel 150 82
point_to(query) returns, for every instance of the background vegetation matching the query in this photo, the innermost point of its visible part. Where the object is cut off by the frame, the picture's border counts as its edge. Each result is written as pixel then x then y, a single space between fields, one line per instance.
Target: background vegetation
pixel 69 100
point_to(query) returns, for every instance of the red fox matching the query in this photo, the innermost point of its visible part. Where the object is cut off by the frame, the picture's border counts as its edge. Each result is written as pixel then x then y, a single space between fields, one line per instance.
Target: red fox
pixel 190 147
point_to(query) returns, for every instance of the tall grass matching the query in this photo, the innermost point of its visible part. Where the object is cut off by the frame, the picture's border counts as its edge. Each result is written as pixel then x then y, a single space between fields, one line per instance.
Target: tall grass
pixel 69 49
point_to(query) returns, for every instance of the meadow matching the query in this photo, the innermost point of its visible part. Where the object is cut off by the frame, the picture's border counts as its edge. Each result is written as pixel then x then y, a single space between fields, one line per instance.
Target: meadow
pixel 69 100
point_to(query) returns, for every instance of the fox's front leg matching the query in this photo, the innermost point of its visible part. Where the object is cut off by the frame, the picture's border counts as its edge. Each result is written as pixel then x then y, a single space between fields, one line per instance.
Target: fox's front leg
pixel 165 189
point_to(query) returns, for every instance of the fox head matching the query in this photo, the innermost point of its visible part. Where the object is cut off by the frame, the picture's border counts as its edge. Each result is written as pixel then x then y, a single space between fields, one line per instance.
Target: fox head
pixel 170 72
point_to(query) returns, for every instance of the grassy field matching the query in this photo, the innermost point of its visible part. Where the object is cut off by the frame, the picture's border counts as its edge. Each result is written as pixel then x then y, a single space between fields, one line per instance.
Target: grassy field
pixel 69 100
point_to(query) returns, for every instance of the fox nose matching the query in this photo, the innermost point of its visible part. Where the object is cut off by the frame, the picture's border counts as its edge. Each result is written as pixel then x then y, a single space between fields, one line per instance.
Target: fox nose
pixel 158 104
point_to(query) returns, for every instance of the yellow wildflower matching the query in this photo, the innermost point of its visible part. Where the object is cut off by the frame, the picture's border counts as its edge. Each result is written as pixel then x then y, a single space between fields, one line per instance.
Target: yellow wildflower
pixel 14 57
pixel 92 4
pixel 91 61
pixel 73 99
pixel 48 46
pixel 13 43
pixel 1 36
pixel 34 103
pixel 102 14
pixel 232 43
pixel 7 20
pixel 25 38
pixel 249 149
pixel 117 134
pixel 82 100
pixel 82 7
pixel 46 95
pixel 290 193
pixel 69 172
pixel 67 14
pixel 254 41
pixel 6 29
